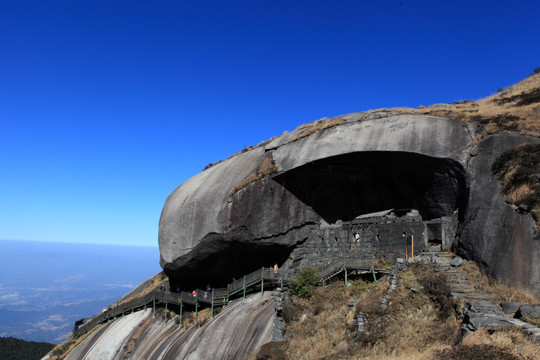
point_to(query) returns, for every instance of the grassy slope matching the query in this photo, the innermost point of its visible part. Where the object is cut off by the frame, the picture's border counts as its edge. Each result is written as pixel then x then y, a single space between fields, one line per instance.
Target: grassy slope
pixel 419 323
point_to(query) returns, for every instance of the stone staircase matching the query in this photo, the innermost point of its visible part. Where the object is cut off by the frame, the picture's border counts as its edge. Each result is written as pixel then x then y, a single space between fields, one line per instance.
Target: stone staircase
pixel 476 308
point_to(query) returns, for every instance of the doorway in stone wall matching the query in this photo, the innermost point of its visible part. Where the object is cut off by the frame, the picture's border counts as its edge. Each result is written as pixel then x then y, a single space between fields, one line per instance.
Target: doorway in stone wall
pixel 434 235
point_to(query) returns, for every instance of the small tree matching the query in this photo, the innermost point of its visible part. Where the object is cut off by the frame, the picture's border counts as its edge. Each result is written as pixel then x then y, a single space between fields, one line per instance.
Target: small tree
pixel 304 283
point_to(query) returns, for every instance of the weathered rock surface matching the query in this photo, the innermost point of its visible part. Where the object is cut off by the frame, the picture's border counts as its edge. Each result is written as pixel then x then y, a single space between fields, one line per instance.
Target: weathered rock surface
pixel 503 241
pixel 236 333
pixel 509 307
pixel 479 310
pixel 456 261
pixel 364 165
pixel 529 311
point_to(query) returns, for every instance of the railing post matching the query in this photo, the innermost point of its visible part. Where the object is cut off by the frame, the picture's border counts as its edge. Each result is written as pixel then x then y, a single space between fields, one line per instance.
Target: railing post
pixel 212 305
pixel 373 267
pixel 244 286
pixel 166 308
pixel 154 305
pixel 345 276
pixel 181 309
pixel 262 282
pixel 196 310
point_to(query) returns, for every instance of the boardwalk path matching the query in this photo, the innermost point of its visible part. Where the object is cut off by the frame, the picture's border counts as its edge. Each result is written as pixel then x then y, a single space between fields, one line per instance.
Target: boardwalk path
pixel 220 297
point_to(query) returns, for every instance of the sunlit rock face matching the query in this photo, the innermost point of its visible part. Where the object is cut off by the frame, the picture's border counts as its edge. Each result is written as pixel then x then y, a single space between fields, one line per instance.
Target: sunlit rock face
pixel 236 333
pixel 207 233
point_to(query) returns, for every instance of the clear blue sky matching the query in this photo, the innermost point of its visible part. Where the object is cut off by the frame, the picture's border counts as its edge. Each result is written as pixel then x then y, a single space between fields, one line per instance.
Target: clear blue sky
pixel 107 106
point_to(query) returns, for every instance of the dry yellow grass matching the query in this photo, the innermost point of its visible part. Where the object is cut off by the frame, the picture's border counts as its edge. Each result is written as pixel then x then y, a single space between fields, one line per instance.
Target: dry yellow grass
pixel 188 318
pixel 133 339
pixel 516 109
pixel 153 284
pixel 408 329
pixel 497 289
pixel 513 342
pixel 267 167
pixel 316 126
pixel 63 349
pixel 411 327
pixel 510 342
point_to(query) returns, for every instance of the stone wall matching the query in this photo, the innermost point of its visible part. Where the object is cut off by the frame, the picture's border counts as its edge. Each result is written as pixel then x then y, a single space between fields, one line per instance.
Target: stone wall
pixel 379 235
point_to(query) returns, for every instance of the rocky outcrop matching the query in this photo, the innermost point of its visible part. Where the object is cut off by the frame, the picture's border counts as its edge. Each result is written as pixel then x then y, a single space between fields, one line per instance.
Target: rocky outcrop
pixel 500 238
pixel 236 333
pixel 357 164
pixel 479 310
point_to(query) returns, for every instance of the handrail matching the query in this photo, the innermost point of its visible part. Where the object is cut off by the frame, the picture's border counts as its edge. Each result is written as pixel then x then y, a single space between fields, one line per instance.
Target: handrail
pixel 220 295
pixel 208 297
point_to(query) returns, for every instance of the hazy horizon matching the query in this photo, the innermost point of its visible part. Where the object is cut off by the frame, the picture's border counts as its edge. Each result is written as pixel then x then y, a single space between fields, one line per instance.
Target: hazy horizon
pixel 46 286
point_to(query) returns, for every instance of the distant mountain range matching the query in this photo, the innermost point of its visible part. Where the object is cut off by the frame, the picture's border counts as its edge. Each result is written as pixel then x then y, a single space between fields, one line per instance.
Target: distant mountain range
pixel 45 287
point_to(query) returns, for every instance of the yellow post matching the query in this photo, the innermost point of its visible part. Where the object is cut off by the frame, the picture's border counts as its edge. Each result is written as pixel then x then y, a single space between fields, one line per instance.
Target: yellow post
pixel 412 246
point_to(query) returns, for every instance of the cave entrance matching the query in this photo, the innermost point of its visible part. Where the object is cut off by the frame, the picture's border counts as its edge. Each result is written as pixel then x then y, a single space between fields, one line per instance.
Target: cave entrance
pixel 345 186
pixel 232 260
pixel 434 233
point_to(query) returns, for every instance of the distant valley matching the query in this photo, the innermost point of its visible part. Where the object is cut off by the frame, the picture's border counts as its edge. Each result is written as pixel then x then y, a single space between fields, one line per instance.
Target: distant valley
pixel 45 287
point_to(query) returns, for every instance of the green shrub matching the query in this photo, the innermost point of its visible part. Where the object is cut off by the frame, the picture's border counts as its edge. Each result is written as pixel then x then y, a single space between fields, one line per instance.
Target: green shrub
pixel 304 283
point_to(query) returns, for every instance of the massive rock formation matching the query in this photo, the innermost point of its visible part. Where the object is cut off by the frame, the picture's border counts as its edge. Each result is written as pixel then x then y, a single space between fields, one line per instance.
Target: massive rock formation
pixel 217 226
pixel 236 333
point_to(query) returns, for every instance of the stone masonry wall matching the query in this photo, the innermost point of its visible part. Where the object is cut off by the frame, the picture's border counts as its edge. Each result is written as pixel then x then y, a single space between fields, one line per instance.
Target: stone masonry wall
pixel 382 236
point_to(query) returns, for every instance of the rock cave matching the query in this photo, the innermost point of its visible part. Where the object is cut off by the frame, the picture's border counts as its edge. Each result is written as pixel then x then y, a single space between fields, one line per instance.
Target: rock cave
pixel 336 188
pixel 345 186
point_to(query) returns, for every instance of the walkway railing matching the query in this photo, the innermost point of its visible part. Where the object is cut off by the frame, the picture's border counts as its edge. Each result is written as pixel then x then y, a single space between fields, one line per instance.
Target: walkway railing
pixel 220 297
pixel 346 264
pixel 215 297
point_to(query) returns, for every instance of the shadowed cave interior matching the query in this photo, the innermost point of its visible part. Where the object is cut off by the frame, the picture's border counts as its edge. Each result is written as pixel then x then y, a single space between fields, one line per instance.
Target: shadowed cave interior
pixel 346 186
pixel 226 260
pixel 337 188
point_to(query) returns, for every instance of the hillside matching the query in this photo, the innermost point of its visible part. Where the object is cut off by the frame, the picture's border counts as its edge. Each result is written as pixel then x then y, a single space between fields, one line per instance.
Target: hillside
pixel 17 349
pixel 459 177
pixel 419 318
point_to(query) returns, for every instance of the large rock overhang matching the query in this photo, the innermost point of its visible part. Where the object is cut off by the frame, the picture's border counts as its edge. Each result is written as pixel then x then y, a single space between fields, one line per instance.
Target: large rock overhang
pixel 207 233
pixel 340 187
pixel 343 187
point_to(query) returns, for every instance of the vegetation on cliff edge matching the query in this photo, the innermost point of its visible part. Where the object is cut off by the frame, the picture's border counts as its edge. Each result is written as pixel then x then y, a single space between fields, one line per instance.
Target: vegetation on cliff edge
pixel 417 323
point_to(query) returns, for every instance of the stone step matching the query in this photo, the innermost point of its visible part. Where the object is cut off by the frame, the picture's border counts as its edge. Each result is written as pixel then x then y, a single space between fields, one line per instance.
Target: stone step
pixel 483 307
pixel 461 281
pixel 437 254
pixel 478 297
pixel 462 286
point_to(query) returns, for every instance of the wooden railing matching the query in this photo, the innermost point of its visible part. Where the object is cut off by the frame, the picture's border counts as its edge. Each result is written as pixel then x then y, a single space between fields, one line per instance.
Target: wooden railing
pixel 221 296
pixel 213 297
pixel 345 264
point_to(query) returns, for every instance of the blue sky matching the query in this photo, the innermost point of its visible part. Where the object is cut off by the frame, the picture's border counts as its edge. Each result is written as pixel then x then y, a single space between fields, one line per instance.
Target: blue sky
pixel 107 106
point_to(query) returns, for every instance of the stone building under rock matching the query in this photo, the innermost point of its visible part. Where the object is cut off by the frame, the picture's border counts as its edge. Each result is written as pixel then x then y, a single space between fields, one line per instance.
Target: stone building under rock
pixel 306 197
pixel 385 234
